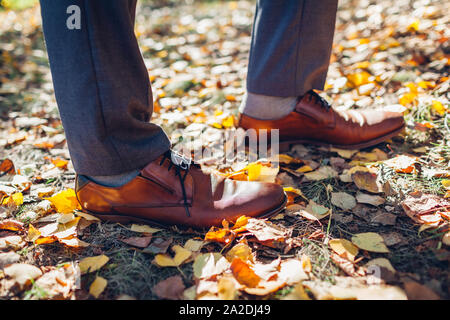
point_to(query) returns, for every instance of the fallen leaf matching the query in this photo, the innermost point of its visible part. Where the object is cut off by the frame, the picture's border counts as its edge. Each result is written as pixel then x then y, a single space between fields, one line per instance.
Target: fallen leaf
pixel 7 170
pixel 343 200
pixel 209 264
pixel 347 154
pixel 265 230
pixel 91 264
pixel 140 242
pixel 324 172
pixel 158 245
pixel 370 241
pixel 369 199
pixel 171 288
pixel 423 208
pixel 22 273
pixel 344 248
pixel 98 286
pixel 8 258
pixel 65 201
pixel 180 257
pixel 383 218
pixel 351 289
pixel 298 293
pixel 365 180
pixel 143 228
pixel 33 233
pixel 226 289
pixel 402 163
pixel 240 250
pixel 87 216
pixel 291 271
pixel 244 274
pixel 316 210
pixel 438 107
pixel 381 262
pixel 11 225
pixel 193 245
pixel 15 199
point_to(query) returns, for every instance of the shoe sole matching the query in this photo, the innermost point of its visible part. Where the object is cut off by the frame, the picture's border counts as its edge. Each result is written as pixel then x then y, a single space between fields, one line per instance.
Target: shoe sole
pixel 286 145
pixel 118 218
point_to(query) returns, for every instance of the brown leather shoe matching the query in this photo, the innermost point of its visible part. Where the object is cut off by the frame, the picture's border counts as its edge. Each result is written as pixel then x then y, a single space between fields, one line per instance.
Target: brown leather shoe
pixel 173 191
pixel 314 121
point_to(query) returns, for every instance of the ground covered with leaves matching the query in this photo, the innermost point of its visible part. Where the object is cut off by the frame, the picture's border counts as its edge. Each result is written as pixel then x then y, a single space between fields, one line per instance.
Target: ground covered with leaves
pixel 360 224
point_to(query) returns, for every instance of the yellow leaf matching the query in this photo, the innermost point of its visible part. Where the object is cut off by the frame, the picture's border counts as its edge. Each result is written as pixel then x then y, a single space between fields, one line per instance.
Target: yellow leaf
pixel 426 84
pixel 407 98
pixel 254 171
pixel 33 233
pixel 65 201
pixel 228 122
pixel 370 241
pixel 294 190
pixel 359 78
pixel 242 251
pixel 181 255
pixel 446 183
pixel 304 169
pixel 344 248
pixel 91 264
pixel 261 172
pixel 438 107
pixel 413 27
pixel 286 159
pixel 143 228
pixel 15 198
pixel 98 286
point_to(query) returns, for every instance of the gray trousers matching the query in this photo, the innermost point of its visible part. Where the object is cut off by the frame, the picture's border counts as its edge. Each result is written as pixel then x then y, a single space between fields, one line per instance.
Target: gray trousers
pixel 102 85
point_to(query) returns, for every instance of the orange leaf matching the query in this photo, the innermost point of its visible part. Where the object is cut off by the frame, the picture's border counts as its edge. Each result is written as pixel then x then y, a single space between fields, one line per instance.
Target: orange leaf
pixel 60 163
pixel 220 235
pixel 45 240
pixel 7 167
pixel 11 225
pixel 244 274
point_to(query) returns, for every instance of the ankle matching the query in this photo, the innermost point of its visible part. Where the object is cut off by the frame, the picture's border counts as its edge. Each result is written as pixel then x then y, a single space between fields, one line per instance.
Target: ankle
pixel 115 180
pixel 267 107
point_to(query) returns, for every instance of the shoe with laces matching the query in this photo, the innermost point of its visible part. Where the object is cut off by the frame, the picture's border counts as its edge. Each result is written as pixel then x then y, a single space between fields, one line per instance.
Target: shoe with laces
pixel 172 190
pixel 314 121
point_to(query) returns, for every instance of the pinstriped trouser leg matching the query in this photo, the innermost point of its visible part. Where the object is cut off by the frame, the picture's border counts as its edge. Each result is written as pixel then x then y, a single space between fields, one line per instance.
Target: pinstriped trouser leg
pixel 291 46
pixel 101 86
